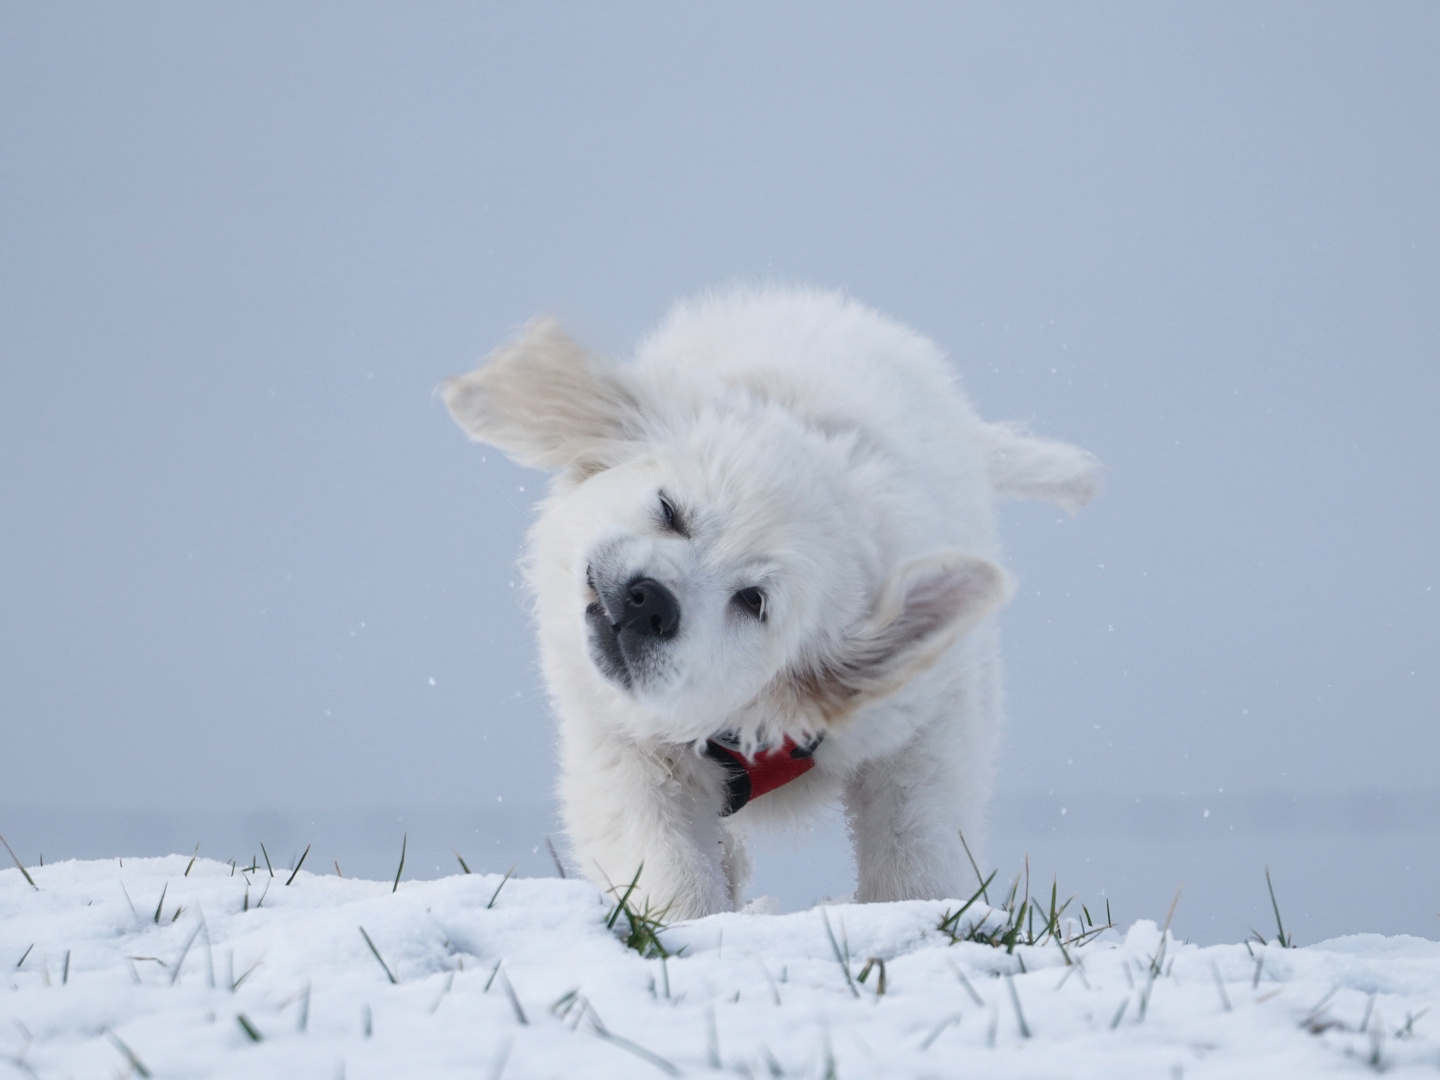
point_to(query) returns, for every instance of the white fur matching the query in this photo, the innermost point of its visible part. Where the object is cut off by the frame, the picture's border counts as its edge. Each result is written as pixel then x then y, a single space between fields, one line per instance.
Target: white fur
pixel 826 455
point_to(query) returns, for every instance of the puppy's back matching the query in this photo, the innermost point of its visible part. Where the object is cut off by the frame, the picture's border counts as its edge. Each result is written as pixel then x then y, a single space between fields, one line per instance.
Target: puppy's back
pixel 840 366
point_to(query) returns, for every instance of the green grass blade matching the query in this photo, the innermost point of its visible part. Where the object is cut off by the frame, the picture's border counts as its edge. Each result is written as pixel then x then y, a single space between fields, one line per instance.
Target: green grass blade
pixel 404 840
pixel 1019 1013
pixel 299 864
pixel 839 957
pixel 496 894
pixel 1285 941
pixel 19 864
pixel 135 1063
pixel 379 959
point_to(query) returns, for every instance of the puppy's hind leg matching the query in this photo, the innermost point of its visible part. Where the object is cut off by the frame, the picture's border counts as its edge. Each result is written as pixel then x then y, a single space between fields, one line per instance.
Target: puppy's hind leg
pixel 736 863
pixel 906 812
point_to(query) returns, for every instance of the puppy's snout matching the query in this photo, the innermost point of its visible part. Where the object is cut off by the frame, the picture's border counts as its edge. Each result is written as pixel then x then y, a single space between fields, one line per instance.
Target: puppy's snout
pixel 645 608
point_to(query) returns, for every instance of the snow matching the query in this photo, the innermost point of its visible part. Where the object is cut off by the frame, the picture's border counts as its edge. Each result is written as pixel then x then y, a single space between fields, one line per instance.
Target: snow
pixel 750 994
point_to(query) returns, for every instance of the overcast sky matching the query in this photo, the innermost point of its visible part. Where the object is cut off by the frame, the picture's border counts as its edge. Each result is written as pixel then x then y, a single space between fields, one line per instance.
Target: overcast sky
pixel 247 561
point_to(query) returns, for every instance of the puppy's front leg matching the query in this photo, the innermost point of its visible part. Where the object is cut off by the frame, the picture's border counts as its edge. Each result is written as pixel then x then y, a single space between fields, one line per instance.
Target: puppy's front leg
pixel 629 806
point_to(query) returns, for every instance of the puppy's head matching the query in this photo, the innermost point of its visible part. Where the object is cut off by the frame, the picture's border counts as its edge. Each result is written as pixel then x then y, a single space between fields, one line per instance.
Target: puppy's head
pixel 705 560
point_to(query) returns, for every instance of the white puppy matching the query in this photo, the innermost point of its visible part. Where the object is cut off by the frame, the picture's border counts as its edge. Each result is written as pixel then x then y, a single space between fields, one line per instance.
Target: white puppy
pixel 763 579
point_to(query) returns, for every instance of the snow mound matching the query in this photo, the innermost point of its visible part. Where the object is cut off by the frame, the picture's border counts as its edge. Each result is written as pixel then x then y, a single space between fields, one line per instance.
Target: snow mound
pixel 175 967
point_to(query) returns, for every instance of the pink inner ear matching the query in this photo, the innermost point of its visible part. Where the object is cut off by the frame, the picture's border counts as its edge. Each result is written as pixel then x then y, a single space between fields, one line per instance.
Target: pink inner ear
pixel 934 598
pixel 941 597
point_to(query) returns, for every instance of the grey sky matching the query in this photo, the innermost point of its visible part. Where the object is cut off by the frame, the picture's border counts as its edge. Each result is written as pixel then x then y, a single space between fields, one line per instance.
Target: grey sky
pixel 239 246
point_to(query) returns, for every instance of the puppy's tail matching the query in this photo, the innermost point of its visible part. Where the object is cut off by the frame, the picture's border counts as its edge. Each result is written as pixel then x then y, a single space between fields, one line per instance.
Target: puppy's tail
pixel 1022 466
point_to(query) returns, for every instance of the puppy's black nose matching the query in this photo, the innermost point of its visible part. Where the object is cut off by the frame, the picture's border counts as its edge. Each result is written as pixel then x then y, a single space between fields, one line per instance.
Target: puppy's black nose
pixel 649 610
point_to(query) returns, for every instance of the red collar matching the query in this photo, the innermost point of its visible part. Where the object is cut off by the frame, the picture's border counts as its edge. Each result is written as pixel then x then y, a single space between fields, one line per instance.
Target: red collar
pixel 749 778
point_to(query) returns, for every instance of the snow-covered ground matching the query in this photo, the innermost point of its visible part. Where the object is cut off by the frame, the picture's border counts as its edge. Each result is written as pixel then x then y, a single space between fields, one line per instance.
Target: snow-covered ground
pixel 138 967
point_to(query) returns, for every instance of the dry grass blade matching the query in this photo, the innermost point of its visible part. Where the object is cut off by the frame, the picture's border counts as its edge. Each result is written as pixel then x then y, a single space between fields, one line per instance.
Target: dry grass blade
pixel 461 861
pixel 267 860
pixel 1170 915
pixel 1315 1020
pixel 871 964
pixel 19 864
pixel 251 1031
pixel 1157 962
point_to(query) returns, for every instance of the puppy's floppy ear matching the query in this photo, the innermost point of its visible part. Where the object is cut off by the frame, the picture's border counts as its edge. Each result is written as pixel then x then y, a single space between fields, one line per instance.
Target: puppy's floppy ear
pixel 545 401
pixel 923 609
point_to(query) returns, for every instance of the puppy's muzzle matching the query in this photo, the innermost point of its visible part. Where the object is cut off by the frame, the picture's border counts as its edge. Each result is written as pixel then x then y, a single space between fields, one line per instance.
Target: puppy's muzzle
pixel 643 609
pixel 628 621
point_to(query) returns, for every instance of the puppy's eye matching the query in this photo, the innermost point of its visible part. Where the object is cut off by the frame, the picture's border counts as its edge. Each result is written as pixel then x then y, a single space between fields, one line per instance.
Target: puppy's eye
pixel 671 517
pixel 752 602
